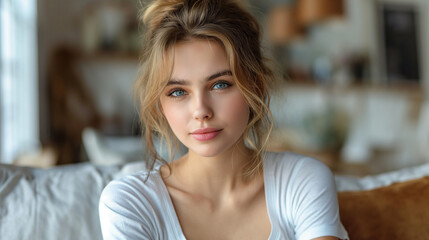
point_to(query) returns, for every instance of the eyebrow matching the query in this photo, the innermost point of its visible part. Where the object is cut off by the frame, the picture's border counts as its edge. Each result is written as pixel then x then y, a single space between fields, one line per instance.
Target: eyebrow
pixel 211 77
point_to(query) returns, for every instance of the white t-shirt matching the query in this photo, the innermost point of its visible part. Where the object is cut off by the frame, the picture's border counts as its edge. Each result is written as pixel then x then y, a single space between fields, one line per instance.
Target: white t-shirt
pixel 300 194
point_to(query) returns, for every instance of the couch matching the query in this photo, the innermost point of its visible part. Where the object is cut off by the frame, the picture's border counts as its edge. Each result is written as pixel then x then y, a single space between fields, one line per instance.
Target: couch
pixel 62 202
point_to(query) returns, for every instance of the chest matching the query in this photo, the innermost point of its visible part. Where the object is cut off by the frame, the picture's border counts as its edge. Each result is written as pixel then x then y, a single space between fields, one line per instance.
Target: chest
pixel 200 219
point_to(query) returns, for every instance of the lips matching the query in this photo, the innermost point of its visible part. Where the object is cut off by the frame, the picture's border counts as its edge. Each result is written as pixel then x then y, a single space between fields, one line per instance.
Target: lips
pixel 205 134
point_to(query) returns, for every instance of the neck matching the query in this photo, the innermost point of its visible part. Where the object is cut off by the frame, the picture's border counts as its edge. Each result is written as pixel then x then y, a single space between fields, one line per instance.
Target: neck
pixel 215 176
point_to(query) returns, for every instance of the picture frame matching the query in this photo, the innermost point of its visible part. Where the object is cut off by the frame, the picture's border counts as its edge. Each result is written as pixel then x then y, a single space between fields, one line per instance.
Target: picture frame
pixel 399 42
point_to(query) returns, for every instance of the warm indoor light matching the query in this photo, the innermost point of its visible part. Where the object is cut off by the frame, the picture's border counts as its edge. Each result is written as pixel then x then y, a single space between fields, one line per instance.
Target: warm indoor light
pixel 314 11
pixel 282 24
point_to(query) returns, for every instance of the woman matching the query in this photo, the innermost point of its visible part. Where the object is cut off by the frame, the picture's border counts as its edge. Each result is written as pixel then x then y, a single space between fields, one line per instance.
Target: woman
pixel 204 83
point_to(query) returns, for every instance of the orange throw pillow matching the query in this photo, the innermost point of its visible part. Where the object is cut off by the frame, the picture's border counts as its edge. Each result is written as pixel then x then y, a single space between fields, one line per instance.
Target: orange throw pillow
pixel 398 211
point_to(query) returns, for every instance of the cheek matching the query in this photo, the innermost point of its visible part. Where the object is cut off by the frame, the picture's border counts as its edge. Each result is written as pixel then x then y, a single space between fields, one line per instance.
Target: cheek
pixel 171 113
pixel 238 111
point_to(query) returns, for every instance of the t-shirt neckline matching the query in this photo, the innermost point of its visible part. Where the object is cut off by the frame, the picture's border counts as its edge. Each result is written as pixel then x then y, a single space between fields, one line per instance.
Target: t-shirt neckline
pixel 173 219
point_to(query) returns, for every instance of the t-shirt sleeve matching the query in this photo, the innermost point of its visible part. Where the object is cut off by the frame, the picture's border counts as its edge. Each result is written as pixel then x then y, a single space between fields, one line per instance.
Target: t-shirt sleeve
pixel 314 202
pixel 122 215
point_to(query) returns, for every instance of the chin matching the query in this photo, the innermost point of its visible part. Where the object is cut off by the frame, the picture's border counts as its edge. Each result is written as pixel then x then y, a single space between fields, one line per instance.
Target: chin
pixel 210 150
pixel 208 153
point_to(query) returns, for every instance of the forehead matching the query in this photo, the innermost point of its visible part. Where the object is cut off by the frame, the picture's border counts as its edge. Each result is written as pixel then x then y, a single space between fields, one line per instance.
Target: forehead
pixel 197 58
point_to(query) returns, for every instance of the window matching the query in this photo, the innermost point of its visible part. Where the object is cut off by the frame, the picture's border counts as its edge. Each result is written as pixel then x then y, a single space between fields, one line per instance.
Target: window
pixel 18 79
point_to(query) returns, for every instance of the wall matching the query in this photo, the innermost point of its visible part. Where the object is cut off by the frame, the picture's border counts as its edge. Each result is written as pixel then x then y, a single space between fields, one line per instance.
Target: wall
pixel 59 22
pixel 357 33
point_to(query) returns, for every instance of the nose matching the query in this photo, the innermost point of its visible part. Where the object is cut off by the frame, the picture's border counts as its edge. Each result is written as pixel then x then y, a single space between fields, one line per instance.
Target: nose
pixel 202 109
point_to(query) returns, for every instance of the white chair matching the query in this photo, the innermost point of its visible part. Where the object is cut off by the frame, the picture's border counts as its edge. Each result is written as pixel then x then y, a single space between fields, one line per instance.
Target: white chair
pixel 109 150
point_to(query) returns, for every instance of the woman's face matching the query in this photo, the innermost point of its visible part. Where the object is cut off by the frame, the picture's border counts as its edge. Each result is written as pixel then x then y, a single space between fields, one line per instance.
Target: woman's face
pixel 202 104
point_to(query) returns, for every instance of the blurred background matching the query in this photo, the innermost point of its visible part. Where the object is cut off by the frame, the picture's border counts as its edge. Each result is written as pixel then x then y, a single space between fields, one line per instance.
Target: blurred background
pixel 353 81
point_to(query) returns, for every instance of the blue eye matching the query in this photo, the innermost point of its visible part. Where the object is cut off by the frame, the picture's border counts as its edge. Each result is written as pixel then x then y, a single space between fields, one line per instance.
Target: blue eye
pixel 177 93
pixel 221 85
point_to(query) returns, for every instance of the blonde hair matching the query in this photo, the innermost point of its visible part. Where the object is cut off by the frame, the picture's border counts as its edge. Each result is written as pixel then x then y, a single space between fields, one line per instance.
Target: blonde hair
pixel 225 21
